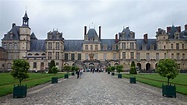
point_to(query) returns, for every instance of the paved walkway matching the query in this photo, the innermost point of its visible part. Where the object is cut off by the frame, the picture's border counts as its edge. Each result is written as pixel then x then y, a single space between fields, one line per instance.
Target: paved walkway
pixel 94 89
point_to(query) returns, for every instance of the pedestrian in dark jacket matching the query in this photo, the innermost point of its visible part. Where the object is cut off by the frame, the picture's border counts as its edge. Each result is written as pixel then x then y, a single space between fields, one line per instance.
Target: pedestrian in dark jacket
pixel 78 73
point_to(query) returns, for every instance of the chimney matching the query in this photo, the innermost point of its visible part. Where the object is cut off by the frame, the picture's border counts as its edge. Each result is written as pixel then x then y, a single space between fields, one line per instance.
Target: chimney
pixel 168 29
pixel 145 38
pixel 185 26
pixel 116 38
pixel 179 28
pixel 99 32
pixel 85 30
pixel 13 24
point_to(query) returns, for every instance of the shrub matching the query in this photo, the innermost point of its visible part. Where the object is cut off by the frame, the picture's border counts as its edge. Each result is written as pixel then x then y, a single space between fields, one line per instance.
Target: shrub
pixel 119 68
pixel 20 69
pixel 51 64
pixel 133 68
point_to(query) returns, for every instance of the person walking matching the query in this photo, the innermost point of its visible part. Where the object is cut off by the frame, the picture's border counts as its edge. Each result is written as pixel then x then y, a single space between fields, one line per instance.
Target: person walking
pixel 78 73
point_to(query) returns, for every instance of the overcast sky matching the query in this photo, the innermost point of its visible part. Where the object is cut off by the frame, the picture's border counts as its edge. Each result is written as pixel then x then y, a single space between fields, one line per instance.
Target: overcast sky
pixel 70 16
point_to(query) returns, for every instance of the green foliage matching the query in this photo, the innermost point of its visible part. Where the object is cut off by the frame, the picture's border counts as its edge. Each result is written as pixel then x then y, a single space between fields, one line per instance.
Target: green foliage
pixel 112 68
pixel 67 68
pixel 119 68
pixel 108 69
pixel 54 69
pixel 20 69
pixel 74 68
pixel 133 68
pixel 33 80
pixel 167 68
pixel 51 65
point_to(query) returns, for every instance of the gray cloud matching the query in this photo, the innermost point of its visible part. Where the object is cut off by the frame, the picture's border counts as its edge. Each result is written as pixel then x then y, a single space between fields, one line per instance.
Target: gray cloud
pixel 70 16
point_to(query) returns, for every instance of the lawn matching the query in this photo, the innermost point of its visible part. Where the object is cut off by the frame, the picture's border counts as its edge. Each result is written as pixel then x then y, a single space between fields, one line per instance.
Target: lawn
pixel 156 80
pixel 7 81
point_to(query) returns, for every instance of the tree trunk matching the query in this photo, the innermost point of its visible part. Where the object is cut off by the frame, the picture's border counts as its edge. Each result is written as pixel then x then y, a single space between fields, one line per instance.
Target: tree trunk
pixel 168 81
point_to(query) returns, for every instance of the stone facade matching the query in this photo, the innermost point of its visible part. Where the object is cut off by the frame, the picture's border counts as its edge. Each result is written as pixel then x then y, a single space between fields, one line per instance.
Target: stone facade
pixel 92 51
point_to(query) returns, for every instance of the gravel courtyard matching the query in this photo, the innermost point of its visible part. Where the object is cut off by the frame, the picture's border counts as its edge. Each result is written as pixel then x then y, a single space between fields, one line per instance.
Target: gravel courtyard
pixel 94 89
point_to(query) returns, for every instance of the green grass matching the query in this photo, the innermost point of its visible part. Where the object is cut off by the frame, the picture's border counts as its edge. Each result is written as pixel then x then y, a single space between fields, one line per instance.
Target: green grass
pixel 7 82
pixel 157 81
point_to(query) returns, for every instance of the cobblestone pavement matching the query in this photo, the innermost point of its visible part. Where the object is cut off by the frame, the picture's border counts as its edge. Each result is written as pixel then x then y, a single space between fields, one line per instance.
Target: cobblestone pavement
pixel 94 89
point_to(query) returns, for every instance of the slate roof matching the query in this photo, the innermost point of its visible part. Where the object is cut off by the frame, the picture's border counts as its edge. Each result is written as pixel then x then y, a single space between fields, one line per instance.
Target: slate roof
pixel 37 45
pixel 33 36
pixel 55 34
pixel 92 33
pixel 109 43
pixel 73 45
pixel 140 42
pixel 126 33
pixel 15 33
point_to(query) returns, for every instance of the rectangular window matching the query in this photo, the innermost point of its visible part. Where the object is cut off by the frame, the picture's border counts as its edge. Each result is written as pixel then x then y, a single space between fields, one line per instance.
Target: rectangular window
pixel 147 56
pixel 178 56
pixel 9 65
pixel 15 46
pixel 96 56
pixel 177 46
pixel 138 56
pixel 72 56
pixel 34 65
pixel 50 46
pixel 172 56
pixel 86 56
pixel 157 56
pixel 9 56
pixel 132 55
pixel 171 46
pixel 66 56
pixel 114 56
pixel 182 46
pixel 79 56
pixel 4 46
pixel 57 55
pixel 183 56
pixel 96 47
pixel 10 46
pixel 164 55
pixel 104 56
pixel 49 55
pixel 123 45
pixel 86 47
pixel 91 47
pixel 124 55
pixel 57 46
pixel 131 45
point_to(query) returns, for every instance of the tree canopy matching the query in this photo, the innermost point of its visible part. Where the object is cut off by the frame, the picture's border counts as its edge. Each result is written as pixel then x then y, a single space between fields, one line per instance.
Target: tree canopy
pixel 67 68
pixel 119 68
pixel 167 68
pixel 51 65
pixel 133 68
pixel 20 69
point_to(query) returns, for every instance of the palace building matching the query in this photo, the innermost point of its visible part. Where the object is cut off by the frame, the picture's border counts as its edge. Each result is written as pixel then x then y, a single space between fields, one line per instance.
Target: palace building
pixel 92 51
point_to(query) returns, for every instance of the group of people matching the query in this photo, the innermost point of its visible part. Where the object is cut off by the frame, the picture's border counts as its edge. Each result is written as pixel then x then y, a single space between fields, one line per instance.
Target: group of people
pixel 79 73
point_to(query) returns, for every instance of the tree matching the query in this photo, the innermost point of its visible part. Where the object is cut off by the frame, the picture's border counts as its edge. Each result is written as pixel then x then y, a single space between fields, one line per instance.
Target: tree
pixel 67 68
pixel 20 69
pixel 167 68
pixel 51 64
pixel 119 68
pixel 112 68
pixel 108 69
pixel 133 68
pixel 54 69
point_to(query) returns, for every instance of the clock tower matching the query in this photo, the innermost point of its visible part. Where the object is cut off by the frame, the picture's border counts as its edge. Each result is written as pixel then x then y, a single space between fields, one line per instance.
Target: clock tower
pixel 24 36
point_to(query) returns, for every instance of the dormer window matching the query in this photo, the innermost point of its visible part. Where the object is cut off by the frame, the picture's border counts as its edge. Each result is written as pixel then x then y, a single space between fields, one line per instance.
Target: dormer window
pixel 105 47
pixel 151 47
pixel 143 47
